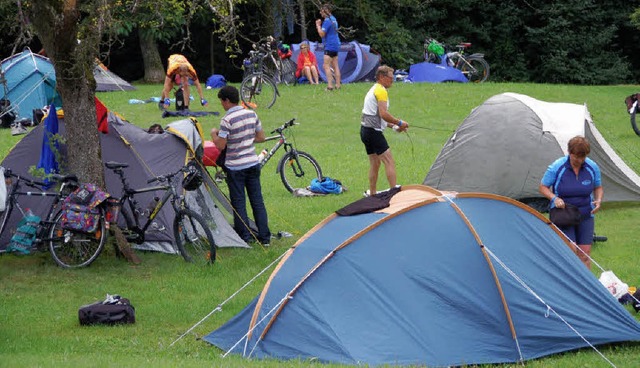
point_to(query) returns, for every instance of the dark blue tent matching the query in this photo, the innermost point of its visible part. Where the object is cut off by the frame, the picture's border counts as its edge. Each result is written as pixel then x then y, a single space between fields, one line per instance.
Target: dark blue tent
pixel 435 73
pixel 433 279
pixel 357 62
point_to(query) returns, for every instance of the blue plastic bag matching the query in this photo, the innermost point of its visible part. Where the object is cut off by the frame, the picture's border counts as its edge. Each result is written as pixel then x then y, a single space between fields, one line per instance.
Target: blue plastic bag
pixel 326 186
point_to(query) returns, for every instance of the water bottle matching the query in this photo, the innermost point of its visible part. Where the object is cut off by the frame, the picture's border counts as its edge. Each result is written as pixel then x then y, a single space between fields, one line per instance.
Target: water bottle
pixel 262 155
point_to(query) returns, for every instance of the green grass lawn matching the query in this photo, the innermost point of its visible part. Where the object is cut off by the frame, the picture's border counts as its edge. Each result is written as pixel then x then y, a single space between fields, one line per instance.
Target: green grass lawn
pixel 38 319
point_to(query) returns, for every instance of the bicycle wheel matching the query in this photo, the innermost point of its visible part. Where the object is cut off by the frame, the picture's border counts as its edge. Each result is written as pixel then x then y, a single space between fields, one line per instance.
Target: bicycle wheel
pixel 258 90
pixel 6 215
pixel 297 169
pixel 193 238
pixel 476 69
pixel 73 249
pixel 288 72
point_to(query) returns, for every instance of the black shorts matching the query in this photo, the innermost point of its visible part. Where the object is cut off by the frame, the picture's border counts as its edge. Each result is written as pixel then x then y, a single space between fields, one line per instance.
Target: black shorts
pixel 374 141
pixel 331 53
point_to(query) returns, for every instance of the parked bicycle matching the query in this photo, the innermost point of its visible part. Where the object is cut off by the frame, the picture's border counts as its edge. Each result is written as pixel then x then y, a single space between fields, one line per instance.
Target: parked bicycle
pixel 474 66
pixel 264 69
pixel 296 168
pixel 193 237
pixel 69 248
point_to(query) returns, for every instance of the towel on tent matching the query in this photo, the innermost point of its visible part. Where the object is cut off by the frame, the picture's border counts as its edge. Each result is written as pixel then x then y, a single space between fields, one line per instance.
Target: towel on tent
pixel 47 155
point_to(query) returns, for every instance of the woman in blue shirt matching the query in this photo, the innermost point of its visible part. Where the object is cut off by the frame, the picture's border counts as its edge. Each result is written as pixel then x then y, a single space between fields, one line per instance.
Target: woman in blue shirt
pixel 328 30
pixel 576 179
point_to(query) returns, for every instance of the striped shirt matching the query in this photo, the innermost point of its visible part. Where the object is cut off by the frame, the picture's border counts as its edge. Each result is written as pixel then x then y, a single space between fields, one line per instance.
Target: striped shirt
pixel 239 127
pixel 370 114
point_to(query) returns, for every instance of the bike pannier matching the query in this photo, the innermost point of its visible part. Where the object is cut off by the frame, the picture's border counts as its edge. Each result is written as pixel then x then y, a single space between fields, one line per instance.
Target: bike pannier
pixel 80 211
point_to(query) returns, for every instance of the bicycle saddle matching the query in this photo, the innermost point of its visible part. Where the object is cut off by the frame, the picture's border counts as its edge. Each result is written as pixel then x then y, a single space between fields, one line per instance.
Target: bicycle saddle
pixel 115 165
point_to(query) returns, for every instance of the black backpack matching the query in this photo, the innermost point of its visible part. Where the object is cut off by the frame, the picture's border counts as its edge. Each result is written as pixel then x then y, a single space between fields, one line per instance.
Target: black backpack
pixel 114 310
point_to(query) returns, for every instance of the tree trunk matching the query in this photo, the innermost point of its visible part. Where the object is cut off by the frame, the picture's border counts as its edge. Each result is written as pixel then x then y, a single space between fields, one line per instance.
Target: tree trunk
pixel 57 25
pixel 303 21
pixel 153 69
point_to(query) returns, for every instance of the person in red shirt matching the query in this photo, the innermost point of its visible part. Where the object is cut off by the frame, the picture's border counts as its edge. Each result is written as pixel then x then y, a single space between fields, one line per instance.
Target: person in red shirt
pixel 307 64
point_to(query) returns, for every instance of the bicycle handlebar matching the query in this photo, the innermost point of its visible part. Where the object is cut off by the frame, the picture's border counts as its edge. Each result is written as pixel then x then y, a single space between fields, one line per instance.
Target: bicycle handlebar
pixel 284 126
pixel 34 183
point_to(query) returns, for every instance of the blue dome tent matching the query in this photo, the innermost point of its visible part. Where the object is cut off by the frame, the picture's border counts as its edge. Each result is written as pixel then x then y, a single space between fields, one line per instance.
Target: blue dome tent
pixel 357 62
pixel 434 278
pixel 30 83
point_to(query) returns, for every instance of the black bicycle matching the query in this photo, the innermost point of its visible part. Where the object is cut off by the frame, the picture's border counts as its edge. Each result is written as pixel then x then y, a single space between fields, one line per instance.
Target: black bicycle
pixel 296 168
pixel 69 248
pixel 193 237
pixel 263 71
pixel 473 66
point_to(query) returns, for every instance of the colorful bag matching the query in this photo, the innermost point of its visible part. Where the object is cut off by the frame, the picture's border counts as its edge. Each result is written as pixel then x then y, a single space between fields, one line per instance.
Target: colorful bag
pixel 80 211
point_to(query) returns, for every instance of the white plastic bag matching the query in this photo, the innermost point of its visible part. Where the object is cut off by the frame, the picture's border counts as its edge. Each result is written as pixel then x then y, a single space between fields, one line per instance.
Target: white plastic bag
pixel 616 287
pixel 3 190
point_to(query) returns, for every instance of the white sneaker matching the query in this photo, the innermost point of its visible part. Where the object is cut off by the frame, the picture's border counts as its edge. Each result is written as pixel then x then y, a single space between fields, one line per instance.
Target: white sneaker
pixel 367 193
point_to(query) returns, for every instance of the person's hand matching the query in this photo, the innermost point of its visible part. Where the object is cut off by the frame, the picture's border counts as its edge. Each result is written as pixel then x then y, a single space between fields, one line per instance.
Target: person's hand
pixel 596 206
pixel 167 102
pixel 204 102
pixel 161 105
pixel 558 202
pixel 318 22
pixel 404 126
pixel 214 132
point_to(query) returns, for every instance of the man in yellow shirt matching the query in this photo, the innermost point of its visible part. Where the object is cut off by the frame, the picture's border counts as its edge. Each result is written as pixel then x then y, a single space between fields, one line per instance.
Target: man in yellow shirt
pixel 375 118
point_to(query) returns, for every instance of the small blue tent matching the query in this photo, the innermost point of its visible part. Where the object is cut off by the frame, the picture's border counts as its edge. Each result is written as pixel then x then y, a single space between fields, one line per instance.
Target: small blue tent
pixel 435 73
pixel 433 279
pixel 357 62
pixel 30 82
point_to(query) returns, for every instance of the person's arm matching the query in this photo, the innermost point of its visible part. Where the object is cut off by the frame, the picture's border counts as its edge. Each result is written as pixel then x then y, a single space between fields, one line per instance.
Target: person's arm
pixel 260 136
pixel 203 101
pixel 390 119
pixel 319 28
pixel 598 194
pixel 220 142
pixel 548 193
pixel 168 84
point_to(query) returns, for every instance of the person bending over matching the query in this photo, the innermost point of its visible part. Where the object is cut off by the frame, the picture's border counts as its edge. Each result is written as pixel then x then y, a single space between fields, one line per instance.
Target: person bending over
pixel 179 71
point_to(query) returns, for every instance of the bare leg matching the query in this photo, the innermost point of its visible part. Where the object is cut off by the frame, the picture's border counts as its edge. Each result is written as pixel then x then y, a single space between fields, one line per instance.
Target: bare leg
pixel 585 254
pixel 327 71
pixel 314 73
pixel 307 74
pixel 336 71
pixel 374 166
pixel 389 167
pixel 187 93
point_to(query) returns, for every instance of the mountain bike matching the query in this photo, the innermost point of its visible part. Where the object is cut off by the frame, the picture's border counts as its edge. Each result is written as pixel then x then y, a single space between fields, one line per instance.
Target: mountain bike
pixel 258 87
pixel 193 237
pixel 296 168
pixel 474 67
pixel 69 248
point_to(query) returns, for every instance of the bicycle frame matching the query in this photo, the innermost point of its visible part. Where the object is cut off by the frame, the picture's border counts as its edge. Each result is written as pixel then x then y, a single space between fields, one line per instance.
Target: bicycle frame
pixel 16 192
pixel 282 141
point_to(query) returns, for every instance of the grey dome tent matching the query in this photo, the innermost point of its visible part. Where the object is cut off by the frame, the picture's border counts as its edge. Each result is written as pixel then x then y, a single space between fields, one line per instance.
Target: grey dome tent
pixel 505 145
pixel 148 155
pixel 108 81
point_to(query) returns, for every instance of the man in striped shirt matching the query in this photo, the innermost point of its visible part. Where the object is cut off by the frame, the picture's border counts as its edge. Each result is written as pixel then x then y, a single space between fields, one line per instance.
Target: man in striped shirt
pixel 239 129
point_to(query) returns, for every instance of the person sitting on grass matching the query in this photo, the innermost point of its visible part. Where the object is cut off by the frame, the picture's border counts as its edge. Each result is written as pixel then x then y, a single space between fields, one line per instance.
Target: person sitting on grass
pixel 307 64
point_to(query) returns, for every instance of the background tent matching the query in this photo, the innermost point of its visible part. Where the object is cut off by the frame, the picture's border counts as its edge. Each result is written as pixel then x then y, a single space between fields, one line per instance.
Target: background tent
pixel 505 145
pixel 148 155
pixel 435 73
pixel 30 83
pixel 417 283
pixel 357 62
pixel 108 81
